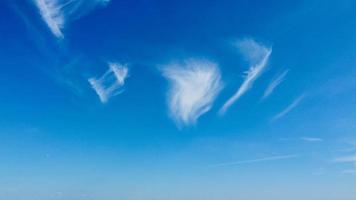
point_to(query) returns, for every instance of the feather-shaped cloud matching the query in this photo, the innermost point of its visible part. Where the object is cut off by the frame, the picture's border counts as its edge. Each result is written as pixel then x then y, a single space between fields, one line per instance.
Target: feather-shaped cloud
pixel 194 85
pixel 57 12
pixel 257 55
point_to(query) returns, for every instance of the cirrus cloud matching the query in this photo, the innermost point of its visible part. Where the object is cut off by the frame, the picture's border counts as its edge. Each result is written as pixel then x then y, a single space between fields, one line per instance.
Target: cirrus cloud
pixel 194 85
pixel 274 83
pixel 257 55
pixel 56 13
pixel 289 108
pixel 111 83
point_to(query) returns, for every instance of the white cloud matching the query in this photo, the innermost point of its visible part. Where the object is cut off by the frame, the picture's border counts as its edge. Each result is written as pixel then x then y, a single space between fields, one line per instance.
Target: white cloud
pixel 294 104
pixel 311 139
pixel 349 171
pixel 194 86
pixel 57 12
pixel 52 15
pixel 275 82
pixel 257 55
pixel 271 158
pixel 305 139
pixel 346 159
pixel 111 83
pixel 349 149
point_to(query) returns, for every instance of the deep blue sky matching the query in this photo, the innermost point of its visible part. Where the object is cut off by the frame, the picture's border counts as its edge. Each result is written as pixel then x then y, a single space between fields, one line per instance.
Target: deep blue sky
pixel 58 141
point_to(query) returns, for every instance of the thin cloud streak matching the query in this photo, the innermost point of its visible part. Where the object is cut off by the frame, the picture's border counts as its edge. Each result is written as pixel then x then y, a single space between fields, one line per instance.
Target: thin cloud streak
pixel 111 83
pixel 345 159
pixel 194 85
pixel 277 81
pixel 349 171
pixel 55 13
pixel 265 159
pixel 257 55
pixel 311 139
pixel 350 149
pixel 304 139
pixel 294 104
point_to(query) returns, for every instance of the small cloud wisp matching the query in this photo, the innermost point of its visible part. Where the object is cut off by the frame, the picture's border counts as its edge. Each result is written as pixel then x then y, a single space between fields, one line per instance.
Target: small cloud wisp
pixel 349 171
pixel 275 82
pixel 111 83
pixel 311 139
pixel 291 106
pixel 346 159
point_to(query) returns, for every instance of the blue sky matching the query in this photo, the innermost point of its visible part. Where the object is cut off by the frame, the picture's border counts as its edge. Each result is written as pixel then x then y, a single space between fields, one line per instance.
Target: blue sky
pixel 157 100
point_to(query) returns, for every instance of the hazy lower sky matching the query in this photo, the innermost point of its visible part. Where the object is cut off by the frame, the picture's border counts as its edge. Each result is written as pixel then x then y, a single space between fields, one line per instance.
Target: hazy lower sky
pixel 177 100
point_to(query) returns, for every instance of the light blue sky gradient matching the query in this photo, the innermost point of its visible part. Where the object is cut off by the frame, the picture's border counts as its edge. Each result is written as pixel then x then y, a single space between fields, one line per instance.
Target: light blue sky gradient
pixel 162 132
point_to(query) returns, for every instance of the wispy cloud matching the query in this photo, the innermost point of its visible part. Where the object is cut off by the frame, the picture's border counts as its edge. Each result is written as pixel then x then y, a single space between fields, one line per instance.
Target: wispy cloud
pixel 275 82
pixel 311 139
pixel 349 171
pixel 52 15
pixel 294 104
pixel 304 139
pixel 346 159
pixel 349 149
pixel 111 83
pixel 57 12
pixel 257 55
pixel 319 171
pixel 194 86
pixel 265 159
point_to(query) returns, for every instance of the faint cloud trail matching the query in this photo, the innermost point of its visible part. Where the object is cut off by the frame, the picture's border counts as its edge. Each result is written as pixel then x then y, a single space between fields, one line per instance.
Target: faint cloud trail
pixel 349 171
pixel 311 139
pixel 345 159
pixel 294 104
pixel 265 159
pixel 277 81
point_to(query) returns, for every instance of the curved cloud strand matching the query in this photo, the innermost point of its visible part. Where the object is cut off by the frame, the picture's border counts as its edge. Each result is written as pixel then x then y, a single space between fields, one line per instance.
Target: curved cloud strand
pixel 194 86
pixel 111 83
pixel 270 88
pixel 289 108
pixel 57 12
pixel 257 55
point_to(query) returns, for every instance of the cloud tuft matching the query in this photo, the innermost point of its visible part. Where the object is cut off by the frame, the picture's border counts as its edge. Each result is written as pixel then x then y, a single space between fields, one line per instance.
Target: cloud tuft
pixel 51 13
pixel 194 85
pixel 111 83
pixel 56 13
